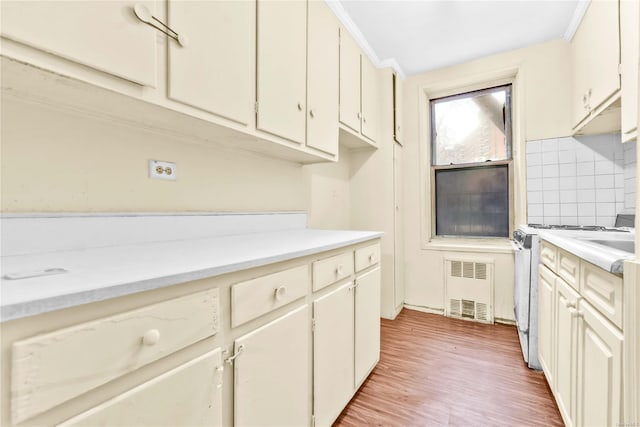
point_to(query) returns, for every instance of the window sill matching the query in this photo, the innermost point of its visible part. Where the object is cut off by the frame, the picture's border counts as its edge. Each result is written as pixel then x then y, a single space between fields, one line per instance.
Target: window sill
pixel 493 245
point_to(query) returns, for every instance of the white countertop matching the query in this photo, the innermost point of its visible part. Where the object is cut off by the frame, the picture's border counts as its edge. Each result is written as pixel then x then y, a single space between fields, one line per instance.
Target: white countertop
pixel 100 273
pixel 581 243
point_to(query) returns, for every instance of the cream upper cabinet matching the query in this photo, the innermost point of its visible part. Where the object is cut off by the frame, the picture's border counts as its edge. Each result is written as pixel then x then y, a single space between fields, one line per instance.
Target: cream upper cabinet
pixel 281 68
pixel 630 56
pixel 595 51
pixel 565 346
pixel 367 323
pixel 398 86
pixel 369 100
pixel 349 82
pixel 322 78
pixel 600 370
pixel 215 71
pixel 272 373
pixel 333 348
pixel 546 289
pixel 162 401
pixel 104 35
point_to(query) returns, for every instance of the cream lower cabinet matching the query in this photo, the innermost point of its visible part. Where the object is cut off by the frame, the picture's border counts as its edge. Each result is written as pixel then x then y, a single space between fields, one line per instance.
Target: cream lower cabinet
pixel 272 377
pixel 583 343
pixel 333 353
pixel 599 370
pixel 156 402
pixel 367 323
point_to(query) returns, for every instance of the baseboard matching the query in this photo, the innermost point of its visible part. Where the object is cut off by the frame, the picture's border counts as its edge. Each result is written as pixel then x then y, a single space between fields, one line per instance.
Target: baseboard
pixel 425 309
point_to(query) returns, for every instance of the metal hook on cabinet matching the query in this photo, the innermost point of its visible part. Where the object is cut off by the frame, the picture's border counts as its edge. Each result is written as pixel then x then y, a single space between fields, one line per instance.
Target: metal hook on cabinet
pixel 230 359
pixel 143 14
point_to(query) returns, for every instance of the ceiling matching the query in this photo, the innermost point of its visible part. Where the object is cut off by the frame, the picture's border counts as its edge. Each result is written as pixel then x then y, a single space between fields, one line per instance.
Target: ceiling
pixel 423 35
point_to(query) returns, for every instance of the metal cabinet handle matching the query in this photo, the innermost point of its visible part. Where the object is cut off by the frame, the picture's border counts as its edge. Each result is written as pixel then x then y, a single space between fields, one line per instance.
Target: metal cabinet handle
pixel 144 15
pixel 299 106
pixel 312 114
pixel 239 351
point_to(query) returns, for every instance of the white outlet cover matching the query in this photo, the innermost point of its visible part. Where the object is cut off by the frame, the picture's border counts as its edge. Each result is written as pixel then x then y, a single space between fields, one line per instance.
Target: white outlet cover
pixel 159 169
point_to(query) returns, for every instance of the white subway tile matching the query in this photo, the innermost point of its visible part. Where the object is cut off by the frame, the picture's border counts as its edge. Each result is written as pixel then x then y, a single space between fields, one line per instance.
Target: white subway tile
pixel 618 180
pixel 605 195
pixel 551 210
pixel 551 197
pixel 534 146
pixel 586 220
pixel 605 167
pixel 534 197
pixel 569 209
pixel 535 220
pixel 606 221
pixel 566 156
pixel 629 173
pixel 550 170
pixel 568 183
pixel 536 210
pixel 569 220
pixel 619 192
pixel 586 195
pixel 585 168
pixel 629 186
pixel 534 184
pixel 549 145
pixel 567 143
pixel 549 157
pixel 604 181
pixel 552 219
pixel 534 171
pixel 550 184
pixel 630 200
pixel 568 169
pixel 585 182
pixel 619 207
pixel 568 196
pixel 605 209
pixel 584 154
pixel 586 209
pixel 534 159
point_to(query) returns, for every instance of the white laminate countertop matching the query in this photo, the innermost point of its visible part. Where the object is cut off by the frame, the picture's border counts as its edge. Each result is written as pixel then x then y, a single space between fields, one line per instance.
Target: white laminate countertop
pixel 583 244
pixel 100 273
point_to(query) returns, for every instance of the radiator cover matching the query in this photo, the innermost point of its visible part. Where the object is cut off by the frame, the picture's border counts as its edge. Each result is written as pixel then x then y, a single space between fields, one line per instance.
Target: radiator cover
pixel 469 289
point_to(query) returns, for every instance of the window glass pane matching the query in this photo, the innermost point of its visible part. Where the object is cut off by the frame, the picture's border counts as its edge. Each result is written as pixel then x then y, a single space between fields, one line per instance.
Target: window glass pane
pixel 472 127
pixel 473 201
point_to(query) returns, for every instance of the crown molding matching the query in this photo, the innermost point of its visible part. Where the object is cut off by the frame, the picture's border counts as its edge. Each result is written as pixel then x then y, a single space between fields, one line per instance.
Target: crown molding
pixel 349 25
pixel 576 19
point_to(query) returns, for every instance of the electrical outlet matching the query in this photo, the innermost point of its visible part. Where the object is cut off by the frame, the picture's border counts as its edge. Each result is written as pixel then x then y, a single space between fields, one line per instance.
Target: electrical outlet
pixel 162 170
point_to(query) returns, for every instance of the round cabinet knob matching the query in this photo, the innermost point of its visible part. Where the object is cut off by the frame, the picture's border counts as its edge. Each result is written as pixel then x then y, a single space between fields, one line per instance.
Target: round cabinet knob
pixel 280 292
pixel 371 258
pixel 339 270
pixel 312 114
pixel 151 337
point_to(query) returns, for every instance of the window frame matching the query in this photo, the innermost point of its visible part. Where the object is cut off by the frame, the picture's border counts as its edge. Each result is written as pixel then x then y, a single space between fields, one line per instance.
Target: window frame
pixel 509 162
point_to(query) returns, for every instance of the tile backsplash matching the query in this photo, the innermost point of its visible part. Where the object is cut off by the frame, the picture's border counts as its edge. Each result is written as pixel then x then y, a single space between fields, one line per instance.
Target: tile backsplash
pixel 582 180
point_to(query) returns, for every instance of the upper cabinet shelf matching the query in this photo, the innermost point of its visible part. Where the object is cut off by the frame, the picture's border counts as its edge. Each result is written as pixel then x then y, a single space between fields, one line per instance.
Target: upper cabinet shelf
pixel 255 75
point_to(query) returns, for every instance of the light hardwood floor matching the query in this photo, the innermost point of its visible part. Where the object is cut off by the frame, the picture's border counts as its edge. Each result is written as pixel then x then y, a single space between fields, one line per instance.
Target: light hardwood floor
pixel 436 371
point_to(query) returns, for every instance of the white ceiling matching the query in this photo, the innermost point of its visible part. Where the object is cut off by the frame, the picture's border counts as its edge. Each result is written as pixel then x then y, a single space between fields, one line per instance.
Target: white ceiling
pixel 423 35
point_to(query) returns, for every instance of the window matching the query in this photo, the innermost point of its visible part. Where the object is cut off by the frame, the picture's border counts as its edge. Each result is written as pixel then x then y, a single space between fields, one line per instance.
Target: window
pixel 470 161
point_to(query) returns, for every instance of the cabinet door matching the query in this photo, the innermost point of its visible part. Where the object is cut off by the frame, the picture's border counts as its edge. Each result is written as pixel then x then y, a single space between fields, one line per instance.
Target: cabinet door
pixel 349 82
pixel 188 395
pixel 333 376
pixel 282 68
pixel 398 255
pixel 272 373
pixel 545 322
pixel 397 107
pixel 322 78
pixel 215 72
pixel 105 35
pixel 565 350
pixel 630 55
pixel 369 96
pixel 600 370
pixel 367 330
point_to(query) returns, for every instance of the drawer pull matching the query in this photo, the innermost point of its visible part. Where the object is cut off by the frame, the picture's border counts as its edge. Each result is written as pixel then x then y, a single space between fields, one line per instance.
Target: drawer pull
pixel 339 270
pixel 371 259
pixel 239 351
pixel 151 337
pixel 280 292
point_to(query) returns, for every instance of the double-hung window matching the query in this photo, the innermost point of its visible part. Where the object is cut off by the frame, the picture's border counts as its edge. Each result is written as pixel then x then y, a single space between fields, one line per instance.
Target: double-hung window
pixel 470 162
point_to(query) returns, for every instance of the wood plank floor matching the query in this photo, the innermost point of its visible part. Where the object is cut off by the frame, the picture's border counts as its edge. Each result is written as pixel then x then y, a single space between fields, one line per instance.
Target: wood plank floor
pixel 436 371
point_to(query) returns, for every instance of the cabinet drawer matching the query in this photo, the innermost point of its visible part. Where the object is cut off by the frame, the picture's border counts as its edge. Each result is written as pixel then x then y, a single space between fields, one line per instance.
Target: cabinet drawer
pixel 367 256
pixel 569 268
pixel 256 297
pixel 603 290
pixel 52 368
pixel 330 270
pixel 201 405
pixel 548 255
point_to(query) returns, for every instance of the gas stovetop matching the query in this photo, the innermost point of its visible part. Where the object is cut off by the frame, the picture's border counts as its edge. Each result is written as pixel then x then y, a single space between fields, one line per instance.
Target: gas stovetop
pixel 573 227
